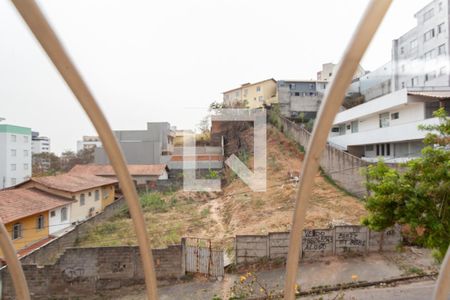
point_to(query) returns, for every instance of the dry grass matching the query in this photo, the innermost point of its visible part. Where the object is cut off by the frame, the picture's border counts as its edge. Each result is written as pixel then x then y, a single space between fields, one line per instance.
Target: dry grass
pixel 236 210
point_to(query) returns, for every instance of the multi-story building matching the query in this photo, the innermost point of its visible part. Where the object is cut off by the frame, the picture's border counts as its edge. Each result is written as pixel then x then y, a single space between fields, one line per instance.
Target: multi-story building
pixel 300 97
pixel 387 127
pixel 39 144
pixel 252 95
pixel 15 155
pixel 31 215
pixel 420 57
pixel 329 69
pixel 143 147
pixel 88 142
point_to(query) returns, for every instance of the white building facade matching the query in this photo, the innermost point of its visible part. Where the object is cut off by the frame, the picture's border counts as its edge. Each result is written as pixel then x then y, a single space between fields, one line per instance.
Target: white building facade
pixel 88 142
pixel 39 144
pixel 59 219
pixel 15 155
pixel 387 127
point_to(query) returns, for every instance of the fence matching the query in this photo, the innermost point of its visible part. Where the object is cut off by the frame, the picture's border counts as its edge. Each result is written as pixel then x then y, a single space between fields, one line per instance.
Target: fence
pixel 339 165
pixel 317 243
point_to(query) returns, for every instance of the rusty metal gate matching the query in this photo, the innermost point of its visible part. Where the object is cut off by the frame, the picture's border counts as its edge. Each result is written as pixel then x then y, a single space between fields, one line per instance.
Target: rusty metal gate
pixel 201 257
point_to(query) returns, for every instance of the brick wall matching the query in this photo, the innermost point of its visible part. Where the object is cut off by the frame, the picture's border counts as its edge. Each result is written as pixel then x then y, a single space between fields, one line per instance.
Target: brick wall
pixel 87 271
pixel 317 243
pixel 48 253
pixel 339 165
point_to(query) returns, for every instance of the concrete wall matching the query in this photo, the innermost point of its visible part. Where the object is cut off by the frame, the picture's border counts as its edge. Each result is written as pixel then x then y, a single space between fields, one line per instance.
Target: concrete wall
pixel 49 253
pixel 87 271
pixel 340 166
pixel 316 243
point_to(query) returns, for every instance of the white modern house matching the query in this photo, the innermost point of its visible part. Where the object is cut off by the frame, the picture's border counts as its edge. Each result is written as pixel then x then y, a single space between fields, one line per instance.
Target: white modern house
pixel 15 155
pixel 388 126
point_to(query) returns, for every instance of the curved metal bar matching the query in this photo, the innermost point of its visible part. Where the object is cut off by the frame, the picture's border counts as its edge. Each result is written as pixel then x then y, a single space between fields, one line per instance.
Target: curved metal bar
pixel 14 266
pixel 41 29
pixel 442 288
pixel 334 96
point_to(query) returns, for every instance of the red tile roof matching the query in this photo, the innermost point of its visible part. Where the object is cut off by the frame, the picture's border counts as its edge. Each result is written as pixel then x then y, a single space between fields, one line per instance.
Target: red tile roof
pixel 73 182
pixel 107 170
pixel 19 203
pixel 27 250
pixel 200 157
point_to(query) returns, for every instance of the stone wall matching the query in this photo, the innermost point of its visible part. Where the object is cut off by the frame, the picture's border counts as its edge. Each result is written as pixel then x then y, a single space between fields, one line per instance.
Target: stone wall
pixel 317 243
pixel 342 167
pixel 86 271
pixel 50 252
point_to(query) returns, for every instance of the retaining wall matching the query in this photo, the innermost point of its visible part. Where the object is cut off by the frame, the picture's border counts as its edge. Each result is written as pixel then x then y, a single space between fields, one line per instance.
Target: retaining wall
pixel 342 167
pixel 317 243
pixel 81 272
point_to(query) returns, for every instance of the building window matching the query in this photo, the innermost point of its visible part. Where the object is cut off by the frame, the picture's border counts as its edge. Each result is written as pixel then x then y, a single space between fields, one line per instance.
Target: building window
pixel 394 116
pixel 428 15
pixel 17 231
pixel 25 139
pixel 413 44
pixel 25 153
pixel 335 129
pixel 384 120
pixel 354 126
pixel 414 81
pixel 430 76
pixel 13 152
pixel 82 200
pixel 89 194
pixel 296 94
pixel 311 86
pixel 13 138
pixel 13 181
pixel 440 6
pixel 25 166
pixel 261 98
pixel 429 54
pixel 245 92
pixel 97 195
pixel 443 71
pixel 402 50
pixel 388 149
pixel 378 149
pixel 403 84
pixel 292 86
pixel 63 214
pixel 258 89
pixel 342 129
pixel 40 222
pixel 441 28
pixel 52 214
pixel 428 35
pixel 369 147
pixel 13 167
pixel 441 49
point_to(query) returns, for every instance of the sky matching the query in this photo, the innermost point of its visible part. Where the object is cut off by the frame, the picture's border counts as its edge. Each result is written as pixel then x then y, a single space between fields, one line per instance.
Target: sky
pixel 154 61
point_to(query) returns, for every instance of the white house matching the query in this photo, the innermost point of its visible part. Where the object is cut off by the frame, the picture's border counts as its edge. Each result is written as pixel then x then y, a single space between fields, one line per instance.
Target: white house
pixel 388 126
pixel 59 218
pixel 15 155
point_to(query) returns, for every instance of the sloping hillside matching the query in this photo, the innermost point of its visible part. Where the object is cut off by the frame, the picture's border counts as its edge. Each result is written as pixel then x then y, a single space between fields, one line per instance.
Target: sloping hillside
pixel 236 210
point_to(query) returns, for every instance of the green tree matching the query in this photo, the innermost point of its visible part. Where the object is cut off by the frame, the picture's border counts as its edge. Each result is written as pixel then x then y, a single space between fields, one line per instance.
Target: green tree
pixel 418 196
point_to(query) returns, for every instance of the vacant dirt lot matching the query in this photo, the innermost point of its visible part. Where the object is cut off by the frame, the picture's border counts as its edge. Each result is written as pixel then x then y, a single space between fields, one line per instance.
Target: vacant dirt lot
pixel 236 210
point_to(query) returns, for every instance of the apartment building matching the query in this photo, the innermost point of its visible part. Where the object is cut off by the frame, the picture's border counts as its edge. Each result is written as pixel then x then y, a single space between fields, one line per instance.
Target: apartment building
pixel 15 155
pixel 387 127
pixel 252 95
pixel 88 142
pixel 153 145
pixel 300 97
pixel 32 215
pixel 39 144
pixel 91 194
pixel 329 69
pixel 420 57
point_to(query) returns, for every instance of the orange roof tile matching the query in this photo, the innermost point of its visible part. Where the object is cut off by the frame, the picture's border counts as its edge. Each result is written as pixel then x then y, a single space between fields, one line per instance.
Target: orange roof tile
pixel 73 182
pixel 200 157
pixel 107 170
pixel 19 203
